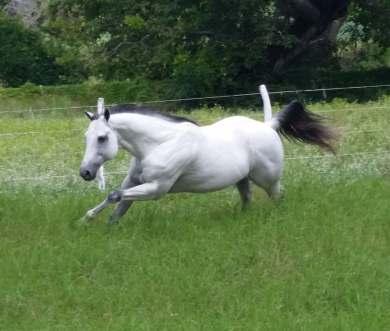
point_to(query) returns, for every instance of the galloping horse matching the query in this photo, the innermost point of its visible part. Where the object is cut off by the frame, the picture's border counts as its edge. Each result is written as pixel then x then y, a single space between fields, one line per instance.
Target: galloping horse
pixel 173 154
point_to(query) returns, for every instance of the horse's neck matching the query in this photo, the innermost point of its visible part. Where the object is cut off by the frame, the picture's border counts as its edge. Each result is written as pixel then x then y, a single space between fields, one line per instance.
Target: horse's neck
pixel 139 134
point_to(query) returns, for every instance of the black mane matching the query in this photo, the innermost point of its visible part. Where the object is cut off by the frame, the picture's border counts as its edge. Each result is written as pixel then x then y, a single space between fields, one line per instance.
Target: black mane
pixel 142 110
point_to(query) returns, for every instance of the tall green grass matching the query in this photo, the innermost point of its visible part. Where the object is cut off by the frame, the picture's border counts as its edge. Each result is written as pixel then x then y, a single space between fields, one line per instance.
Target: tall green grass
pixel 318 259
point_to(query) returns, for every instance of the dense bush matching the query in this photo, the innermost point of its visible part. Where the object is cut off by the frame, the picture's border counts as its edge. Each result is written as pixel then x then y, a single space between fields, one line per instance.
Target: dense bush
pixel 23 57
pixel 207 47
pixel 196 48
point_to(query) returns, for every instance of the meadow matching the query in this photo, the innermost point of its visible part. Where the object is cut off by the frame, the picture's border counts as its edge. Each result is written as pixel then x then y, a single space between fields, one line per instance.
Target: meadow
pixel 318 259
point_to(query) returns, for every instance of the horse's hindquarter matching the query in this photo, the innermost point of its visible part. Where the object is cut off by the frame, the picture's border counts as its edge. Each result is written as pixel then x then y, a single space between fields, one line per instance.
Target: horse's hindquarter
pixel 227 152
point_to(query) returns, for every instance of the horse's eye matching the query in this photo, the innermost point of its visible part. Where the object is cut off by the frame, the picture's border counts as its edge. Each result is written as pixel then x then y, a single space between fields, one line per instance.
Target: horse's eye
pixel 102 139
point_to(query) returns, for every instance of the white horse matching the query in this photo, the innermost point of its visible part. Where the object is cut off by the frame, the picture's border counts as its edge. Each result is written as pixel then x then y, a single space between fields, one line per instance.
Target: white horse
pixel 173 154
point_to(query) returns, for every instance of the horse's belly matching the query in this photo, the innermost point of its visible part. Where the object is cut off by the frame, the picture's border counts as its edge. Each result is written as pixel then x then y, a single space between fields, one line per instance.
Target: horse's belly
pixel 212 175
pixel 199 185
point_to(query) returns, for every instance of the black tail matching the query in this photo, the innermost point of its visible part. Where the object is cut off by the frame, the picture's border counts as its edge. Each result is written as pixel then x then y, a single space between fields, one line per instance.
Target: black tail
pixel 296 123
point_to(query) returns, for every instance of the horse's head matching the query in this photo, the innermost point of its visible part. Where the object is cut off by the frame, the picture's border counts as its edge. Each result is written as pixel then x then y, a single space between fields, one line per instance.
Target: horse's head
pixel 101 145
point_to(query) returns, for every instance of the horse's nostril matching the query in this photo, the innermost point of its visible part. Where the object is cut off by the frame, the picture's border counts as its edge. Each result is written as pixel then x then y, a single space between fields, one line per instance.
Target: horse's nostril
pixel 86 174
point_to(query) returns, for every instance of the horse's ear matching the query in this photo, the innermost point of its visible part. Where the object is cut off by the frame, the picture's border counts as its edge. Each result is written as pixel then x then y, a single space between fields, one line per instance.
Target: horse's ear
pixel 106 114
pixel 89 115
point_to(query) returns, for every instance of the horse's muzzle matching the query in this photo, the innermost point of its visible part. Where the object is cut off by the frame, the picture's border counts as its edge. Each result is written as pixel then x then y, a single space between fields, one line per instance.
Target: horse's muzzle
pixel 87 175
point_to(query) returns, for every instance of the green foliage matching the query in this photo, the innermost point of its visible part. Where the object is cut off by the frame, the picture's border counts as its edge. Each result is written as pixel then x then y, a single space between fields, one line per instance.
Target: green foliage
pixel 364 39
pixel 3 3
pixel 134 22
pixel 196 76
pixel 194 48
pixel 30 96
pixel 33 96
pixel 22 56
pixel 199 47
pixel 373 16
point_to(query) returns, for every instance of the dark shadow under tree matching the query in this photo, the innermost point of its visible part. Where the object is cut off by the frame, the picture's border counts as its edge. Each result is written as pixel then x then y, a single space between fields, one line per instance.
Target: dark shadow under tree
pixel 314 23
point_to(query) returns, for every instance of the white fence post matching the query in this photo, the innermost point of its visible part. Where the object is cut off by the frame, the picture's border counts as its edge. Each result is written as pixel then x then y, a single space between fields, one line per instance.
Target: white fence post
pixel 100 173
pixel 100 106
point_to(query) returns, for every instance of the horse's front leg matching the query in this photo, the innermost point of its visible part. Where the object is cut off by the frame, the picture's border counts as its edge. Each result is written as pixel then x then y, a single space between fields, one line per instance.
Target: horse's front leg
pixel 119 211
pixel 146 191
pixel 126 197
pixel 129 181
pixel 159 172
pixel 92 213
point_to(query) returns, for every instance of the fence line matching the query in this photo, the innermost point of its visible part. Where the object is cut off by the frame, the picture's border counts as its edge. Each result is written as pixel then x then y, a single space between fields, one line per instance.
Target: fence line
pixel 226 96
pixel 16 134
pixel 80 130
pixel 275 109
pixel 43 109
pixel 327 156
pixel 351 109
pixel 289 158
pixel 332 89
pixel 344 134
pixel 23 179
pixel 25 133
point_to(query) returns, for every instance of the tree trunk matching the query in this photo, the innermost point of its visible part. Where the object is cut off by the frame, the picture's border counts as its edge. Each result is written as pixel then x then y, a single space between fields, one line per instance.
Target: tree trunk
pixel 320 30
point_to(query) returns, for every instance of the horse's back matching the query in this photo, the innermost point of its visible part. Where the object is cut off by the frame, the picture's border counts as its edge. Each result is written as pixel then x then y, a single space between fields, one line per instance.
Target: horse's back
pixel 254 136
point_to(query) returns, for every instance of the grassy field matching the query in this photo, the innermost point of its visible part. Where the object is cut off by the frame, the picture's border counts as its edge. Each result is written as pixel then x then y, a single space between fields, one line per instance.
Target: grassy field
pixel 319 259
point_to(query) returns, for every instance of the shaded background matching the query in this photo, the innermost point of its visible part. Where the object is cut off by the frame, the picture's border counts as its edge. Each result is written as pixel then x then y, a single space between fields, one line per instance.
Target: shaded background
pixel 188 48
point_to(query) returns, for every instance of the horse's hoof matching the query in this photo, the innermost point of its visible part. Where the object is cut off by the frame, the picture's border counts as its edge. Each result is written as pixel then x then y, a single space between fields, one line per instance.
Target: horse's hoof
pixel 83 221
pixel 113 221
pixel 89 215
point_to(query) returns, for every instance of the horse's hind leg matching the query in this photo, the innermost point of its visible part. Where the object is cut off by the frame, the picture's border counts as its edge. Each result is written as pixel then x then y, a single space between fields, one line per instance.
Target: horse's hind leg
pixel 243 187
pixel 274 190
pixel 268 179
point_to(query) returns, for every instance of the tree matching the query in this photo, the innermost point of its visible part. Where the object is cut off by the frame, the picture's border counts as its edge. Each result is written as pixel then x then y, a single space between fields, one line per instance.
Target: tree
pixel 201 46
pixel 373 16
pixel 22 56
pixel 206 46
pixel 315 24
